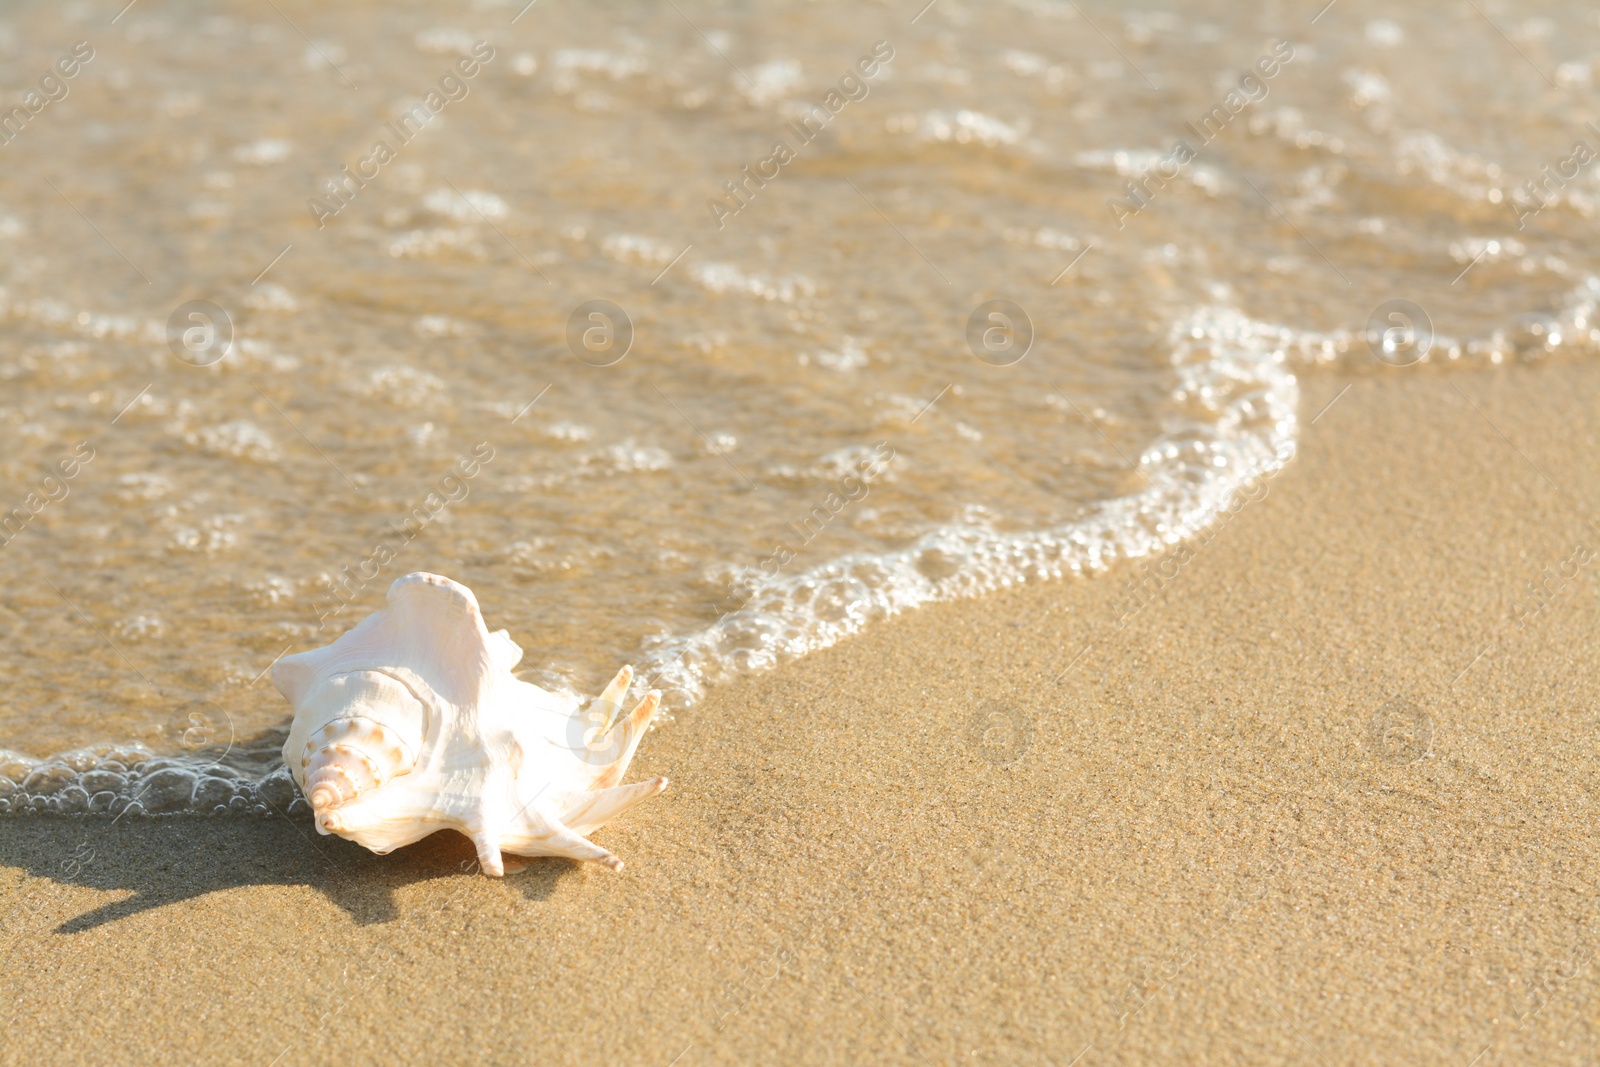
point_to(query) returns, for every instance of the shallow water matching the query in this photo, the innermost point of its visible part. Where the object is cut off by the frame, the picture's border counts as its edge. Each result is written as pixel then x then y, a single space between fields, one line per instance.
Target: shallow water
pixel 813 424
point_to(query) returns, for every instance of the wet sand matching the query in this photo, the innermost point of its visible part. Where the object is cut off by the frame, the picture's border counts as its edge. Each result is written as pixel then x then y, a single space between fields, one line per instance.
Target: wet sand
pixel 1320 798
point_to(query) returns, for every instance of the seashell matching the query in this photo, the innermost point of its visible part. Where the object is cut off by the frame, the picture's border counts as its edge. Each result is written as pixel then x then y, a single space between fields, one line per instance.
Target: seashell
pixel 412 722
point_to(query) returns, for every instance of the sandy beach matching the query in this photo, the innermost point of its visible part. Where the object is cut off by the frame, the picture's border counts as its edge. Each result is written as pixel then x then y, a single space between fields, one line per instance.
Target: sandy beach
pixel 805 357
pixel 1322 796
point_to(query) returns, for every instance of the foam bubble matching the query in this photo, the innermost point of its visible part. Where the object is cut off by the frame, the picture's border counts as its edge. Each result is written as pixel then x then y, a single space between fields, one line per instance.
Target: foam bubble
pixel 445 40
pixel 770 82
pixel 961 127
pixel 631 248
pixel 239 438
pixel 726 278
pixel 467 206
pixel 1127 163
pixel 113 780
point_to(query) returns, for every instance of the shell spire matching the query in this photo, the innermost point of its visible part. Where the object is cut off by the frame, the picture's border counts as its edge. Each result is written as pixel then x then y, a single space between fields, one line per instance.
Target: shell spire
pixel 412 722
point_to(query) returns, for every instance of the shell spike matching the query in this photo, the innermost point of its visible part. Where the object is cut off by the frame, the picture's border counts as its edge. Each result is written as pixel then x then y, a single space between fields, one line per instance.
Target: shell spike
pixel 604 708
pixel 552 838
pixel 594 809
pixel 488 846
pixel 624 740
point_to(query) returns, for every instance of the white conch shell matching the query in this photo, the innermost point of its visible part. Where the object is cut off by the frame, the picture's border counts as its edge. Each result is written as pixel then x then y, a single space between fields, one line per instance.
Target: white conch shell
pixel 412 722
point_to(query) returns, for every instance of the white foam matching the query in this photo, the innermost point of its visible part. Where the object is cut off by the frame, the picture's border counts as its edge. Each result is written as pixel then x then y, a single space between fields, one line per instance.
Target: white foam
pixel 420 244
pixel 1463 173
pixel 570 61
pixel 402 386
pixel 239 438
pixel 1233 421
pixel 770 82
pixel 468 206
pixel 272 297
pixel 445 40
pixel 726 278
pixel 960 127
pixel 112 779
pixel 1136 163
pixel 264 152
pixel 632 248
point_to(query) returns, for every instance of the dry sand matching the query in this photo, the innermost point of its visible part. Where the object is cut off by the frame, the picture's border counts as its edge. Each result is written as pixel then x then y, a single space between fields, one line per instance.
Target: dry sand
pixel 1005 831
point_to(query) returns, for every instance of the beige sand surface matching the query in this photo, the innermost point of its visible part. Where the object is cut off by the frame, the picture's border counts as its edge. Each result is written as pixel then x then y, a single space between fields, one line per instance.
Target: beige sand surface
pixel 1205 850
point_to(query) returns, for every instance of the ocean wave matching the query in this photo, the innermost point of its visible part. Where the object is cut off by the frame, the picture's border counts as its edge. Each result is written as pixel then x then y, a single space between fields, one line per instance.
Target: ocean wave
pixel 1231 420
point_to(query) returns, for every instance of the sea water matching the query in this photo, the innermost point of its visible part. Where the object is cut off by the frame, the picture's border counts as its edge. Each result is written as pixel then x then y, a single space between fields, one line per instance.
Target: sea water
pixel 697 336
